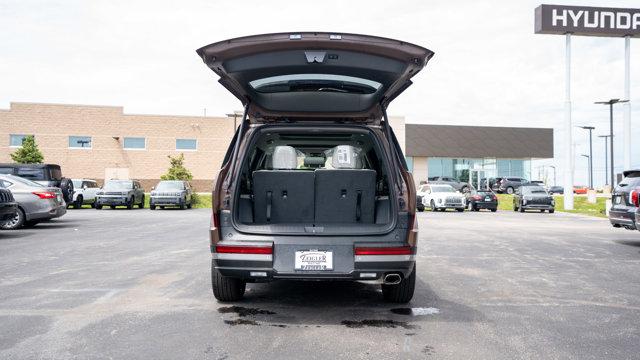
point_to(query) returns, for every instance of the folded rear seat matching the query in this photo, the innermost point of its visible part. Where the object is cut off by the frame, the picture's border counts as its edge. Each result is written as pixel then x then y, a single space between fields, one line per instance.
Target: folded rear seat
pixel 283 195
pixel 347 193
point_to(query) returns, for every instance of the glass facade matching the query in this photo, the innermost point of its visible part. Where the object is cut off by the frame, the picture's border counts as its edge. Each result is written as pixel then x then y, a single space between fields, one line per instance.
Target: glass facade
pixel 462 168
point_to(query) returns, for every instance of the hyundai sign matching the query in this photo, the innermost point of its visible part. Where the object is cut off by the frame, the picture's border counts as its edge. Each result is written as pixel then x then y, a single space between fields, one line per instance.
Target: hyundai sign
pixel 588 21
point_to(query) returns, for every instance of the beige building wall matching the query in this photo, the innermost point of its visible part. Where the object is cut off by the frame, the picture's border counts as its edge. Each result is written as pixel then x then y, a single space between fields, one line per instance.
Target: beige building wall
pixel 420 169
pixel 398 126
pixel 52 124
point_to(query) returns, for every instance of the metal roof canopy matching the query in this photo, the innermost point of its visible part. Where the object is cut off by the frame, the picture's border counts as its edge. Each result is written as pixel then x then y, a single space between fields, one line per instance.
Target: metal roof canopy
pixel 589 21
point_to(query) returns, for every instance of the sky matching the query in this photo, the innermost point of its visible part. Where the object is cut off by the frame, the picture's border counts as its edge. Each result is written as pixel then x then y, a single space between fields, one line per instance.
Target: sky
pixel 489 67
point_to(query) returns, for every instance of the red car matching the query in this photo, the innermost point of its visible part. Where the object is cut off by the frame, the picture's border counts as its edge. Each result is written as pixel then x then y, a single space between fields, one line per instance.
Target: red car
pixel 580 189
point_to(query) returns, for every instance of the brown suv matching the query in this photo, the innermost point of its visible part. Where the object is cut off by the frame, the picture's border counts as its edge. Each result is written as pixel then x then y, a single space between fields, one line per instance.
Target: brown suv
pixel 314 185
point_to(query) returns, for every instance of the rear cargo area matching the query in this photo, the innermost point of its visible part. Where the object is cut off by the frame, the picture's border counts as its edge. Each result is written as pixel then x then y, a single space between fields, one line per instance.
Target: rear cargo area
pixel 306 180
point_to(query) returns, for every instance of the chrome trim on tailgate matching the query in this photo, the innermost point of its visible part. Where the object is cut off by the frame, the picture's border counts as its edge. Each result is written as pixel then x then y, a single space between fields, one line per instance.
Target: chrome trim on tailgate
pixel 382 258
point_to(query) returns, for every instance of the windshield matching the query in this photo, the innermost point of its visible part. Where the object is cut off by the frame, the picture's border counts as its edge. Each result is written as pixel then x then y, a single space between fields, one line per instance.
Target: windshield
pixel 77 184
pixel 533 190
pixel 170 185
pixel 442 189
pixel 632 180
pixel 118 185
pixel 24 181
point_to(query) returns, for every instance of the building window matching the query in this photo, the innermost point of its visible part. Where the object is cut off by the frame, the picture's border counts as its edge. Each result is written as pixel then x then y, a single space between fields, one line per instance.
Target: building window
pixel 16 140
pixel 80 142
pixel 409 160
pixel 134 143
pixel 186 144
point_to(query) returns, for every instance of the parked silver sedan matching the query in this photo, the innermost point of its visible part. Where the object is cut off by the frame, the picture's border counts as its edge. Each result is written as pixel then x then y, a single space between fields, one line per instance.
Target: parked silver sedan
pixel 35 202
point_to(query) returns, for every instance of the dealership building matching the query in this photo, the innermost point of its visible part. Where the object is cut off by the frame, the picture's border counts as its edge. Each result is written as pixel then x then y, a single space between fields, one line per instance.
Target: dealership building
pixel 103 142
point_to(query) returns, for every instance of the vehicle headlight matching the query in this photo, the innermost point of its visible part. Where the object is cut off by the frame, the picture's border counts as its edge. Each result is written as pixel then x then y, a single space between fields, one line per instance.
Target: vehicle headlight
pixel 527 197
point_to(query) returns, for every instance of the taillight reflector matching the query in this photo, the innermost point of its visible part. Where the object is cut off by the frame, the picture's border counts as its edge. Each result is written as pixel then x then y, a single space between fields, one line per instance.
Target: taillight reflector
pixel 400 250
pixel 45 194
pixel 232 249
pixel 635 197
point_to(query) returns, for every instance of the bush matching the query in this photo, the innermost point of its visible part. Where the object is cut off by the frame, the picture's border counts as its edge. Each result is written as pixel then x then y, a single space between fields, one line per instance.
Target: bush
pixel 28 153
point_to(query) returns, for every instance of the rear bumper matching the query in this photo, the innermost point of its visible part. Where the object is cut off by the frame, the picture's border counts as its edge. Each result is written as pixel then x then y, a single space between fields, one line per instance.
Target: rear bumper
pixel 485 205
pixel 49 214
pixel 259 268
pixel 623 217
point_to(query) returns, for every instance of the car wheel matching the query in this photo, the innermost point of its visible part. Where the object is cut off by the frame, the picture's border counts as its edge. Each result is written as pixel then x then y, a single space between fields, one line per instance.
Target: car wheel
pixel 521 208
pixel 494 210
pixel 162 207
pixel 402 292
pixel 433 206
pixel 152 207
pixel 189 206
pixel 552 211
pixel 182 207
pixel 515 207
pixel 420 208
pixel 141 206
pixel 15 222
pixel 112 207
pixel 130 203
pixel 541 210
pixel 510 190
pixel 459 209
pixel 98 207
pixel 93 204
pixel 226 288
pixel 78 203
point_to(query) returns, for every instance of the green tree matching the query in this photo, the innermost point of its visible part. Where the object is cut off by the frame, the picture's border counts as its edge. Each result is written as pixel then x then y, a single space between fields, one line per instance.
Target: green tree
pixel 28 153
pixel 177 171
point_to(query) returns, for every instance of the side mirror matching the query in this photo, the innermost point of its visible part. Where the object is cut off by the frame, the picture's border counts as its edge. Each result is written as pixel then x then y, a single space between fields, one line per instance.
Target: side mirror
pixel 84 187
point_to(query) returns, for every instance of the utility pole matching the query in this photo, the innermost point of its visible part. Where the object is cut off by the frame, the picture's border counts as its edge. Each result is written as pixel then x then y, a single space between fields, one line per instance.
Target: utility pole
pixel 590 128
pixel 606 159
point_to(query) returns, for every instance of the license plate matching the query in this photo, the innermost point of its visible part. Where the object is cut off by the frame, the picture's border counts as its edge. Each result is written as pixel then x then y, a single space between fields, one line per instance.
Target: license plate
pixel 618 199
pixel 487 199
pixel 314 260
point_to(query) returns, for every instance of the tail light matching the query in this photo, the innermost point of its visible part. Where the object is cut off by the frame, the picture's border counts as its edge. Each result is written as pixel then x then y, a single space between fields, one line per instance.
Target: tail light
pixel 635 197
pixel 398 250
pixel 239 249
pixel 45 194
pixel 477 197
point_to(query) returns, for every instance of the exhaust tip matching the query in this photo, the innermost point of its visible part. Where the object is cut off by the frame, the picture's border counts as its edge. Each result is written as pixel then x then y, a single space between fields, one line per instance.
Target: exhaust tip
pixel 392 279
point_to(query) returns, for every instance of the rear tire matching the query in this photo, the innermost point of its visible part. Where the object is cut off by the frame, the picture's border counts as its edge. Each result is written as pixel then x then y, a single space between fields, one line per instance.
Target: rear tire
pixel 552 211
pixel 189 206
pixel 433 206
pixel 521 208
pixel 113 207
pixel 400 293
pixel 141 206
pixel 421 209
pixel 98 206
pixel 541 210
pixel 130 203
pixel 14 223
pixel 152 207
pixel 459 209
pixel 182 207
pixel 225 288
pixel 494 210
pixel 78 203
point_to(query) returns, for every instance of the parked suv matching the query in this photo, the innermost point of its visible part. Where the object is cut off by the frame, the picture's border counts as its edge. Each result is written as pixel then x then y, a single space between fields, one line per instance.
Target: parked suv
pixel 48 175
pixel 314 185
pixel 510 184
pixel 84 192
pixel 455 183
pixel 623 209
pixel 120 193
pixel 440 197
pixel 35 202
pixel 482 199
pixel 533 197
pixel 171 193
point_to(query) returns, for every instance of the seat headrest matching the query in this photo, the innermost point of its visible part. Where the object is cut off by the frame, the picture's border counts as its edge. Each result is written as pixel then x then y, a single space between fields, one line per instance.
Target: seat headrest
pixel 284 158
pixel 314 161
pixel 345 157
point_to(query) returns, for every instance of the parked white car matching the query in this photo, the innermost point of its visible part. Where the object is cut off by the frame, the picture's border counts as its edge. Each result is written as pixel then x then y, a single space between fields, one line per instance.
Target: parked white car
pixel 84 192
pixel 441 197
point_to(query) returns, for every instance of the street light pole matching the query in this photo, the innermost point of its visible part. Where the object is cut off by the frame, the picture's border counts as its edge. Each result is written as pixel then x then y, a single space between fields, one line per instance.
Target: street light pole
pixel 606 159
pixel 589 172
pixel 590 128
pixel 611 103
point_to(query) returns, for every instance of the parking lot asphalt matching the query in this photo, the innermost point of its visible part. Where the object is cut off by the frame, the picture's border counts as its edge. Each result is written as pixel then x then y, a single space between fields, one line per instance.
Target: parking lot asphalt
pixel 136 285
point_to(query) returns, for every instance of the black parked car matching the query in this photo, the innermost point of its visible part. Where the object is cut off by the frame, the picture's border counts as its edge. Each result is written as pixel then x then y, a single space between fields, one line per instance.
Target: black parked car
pixel 623 210
pixel 48 175
pixel 482 199
pixel 556 190
pixel 8 205
pixel 509 184
pixel 533 198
